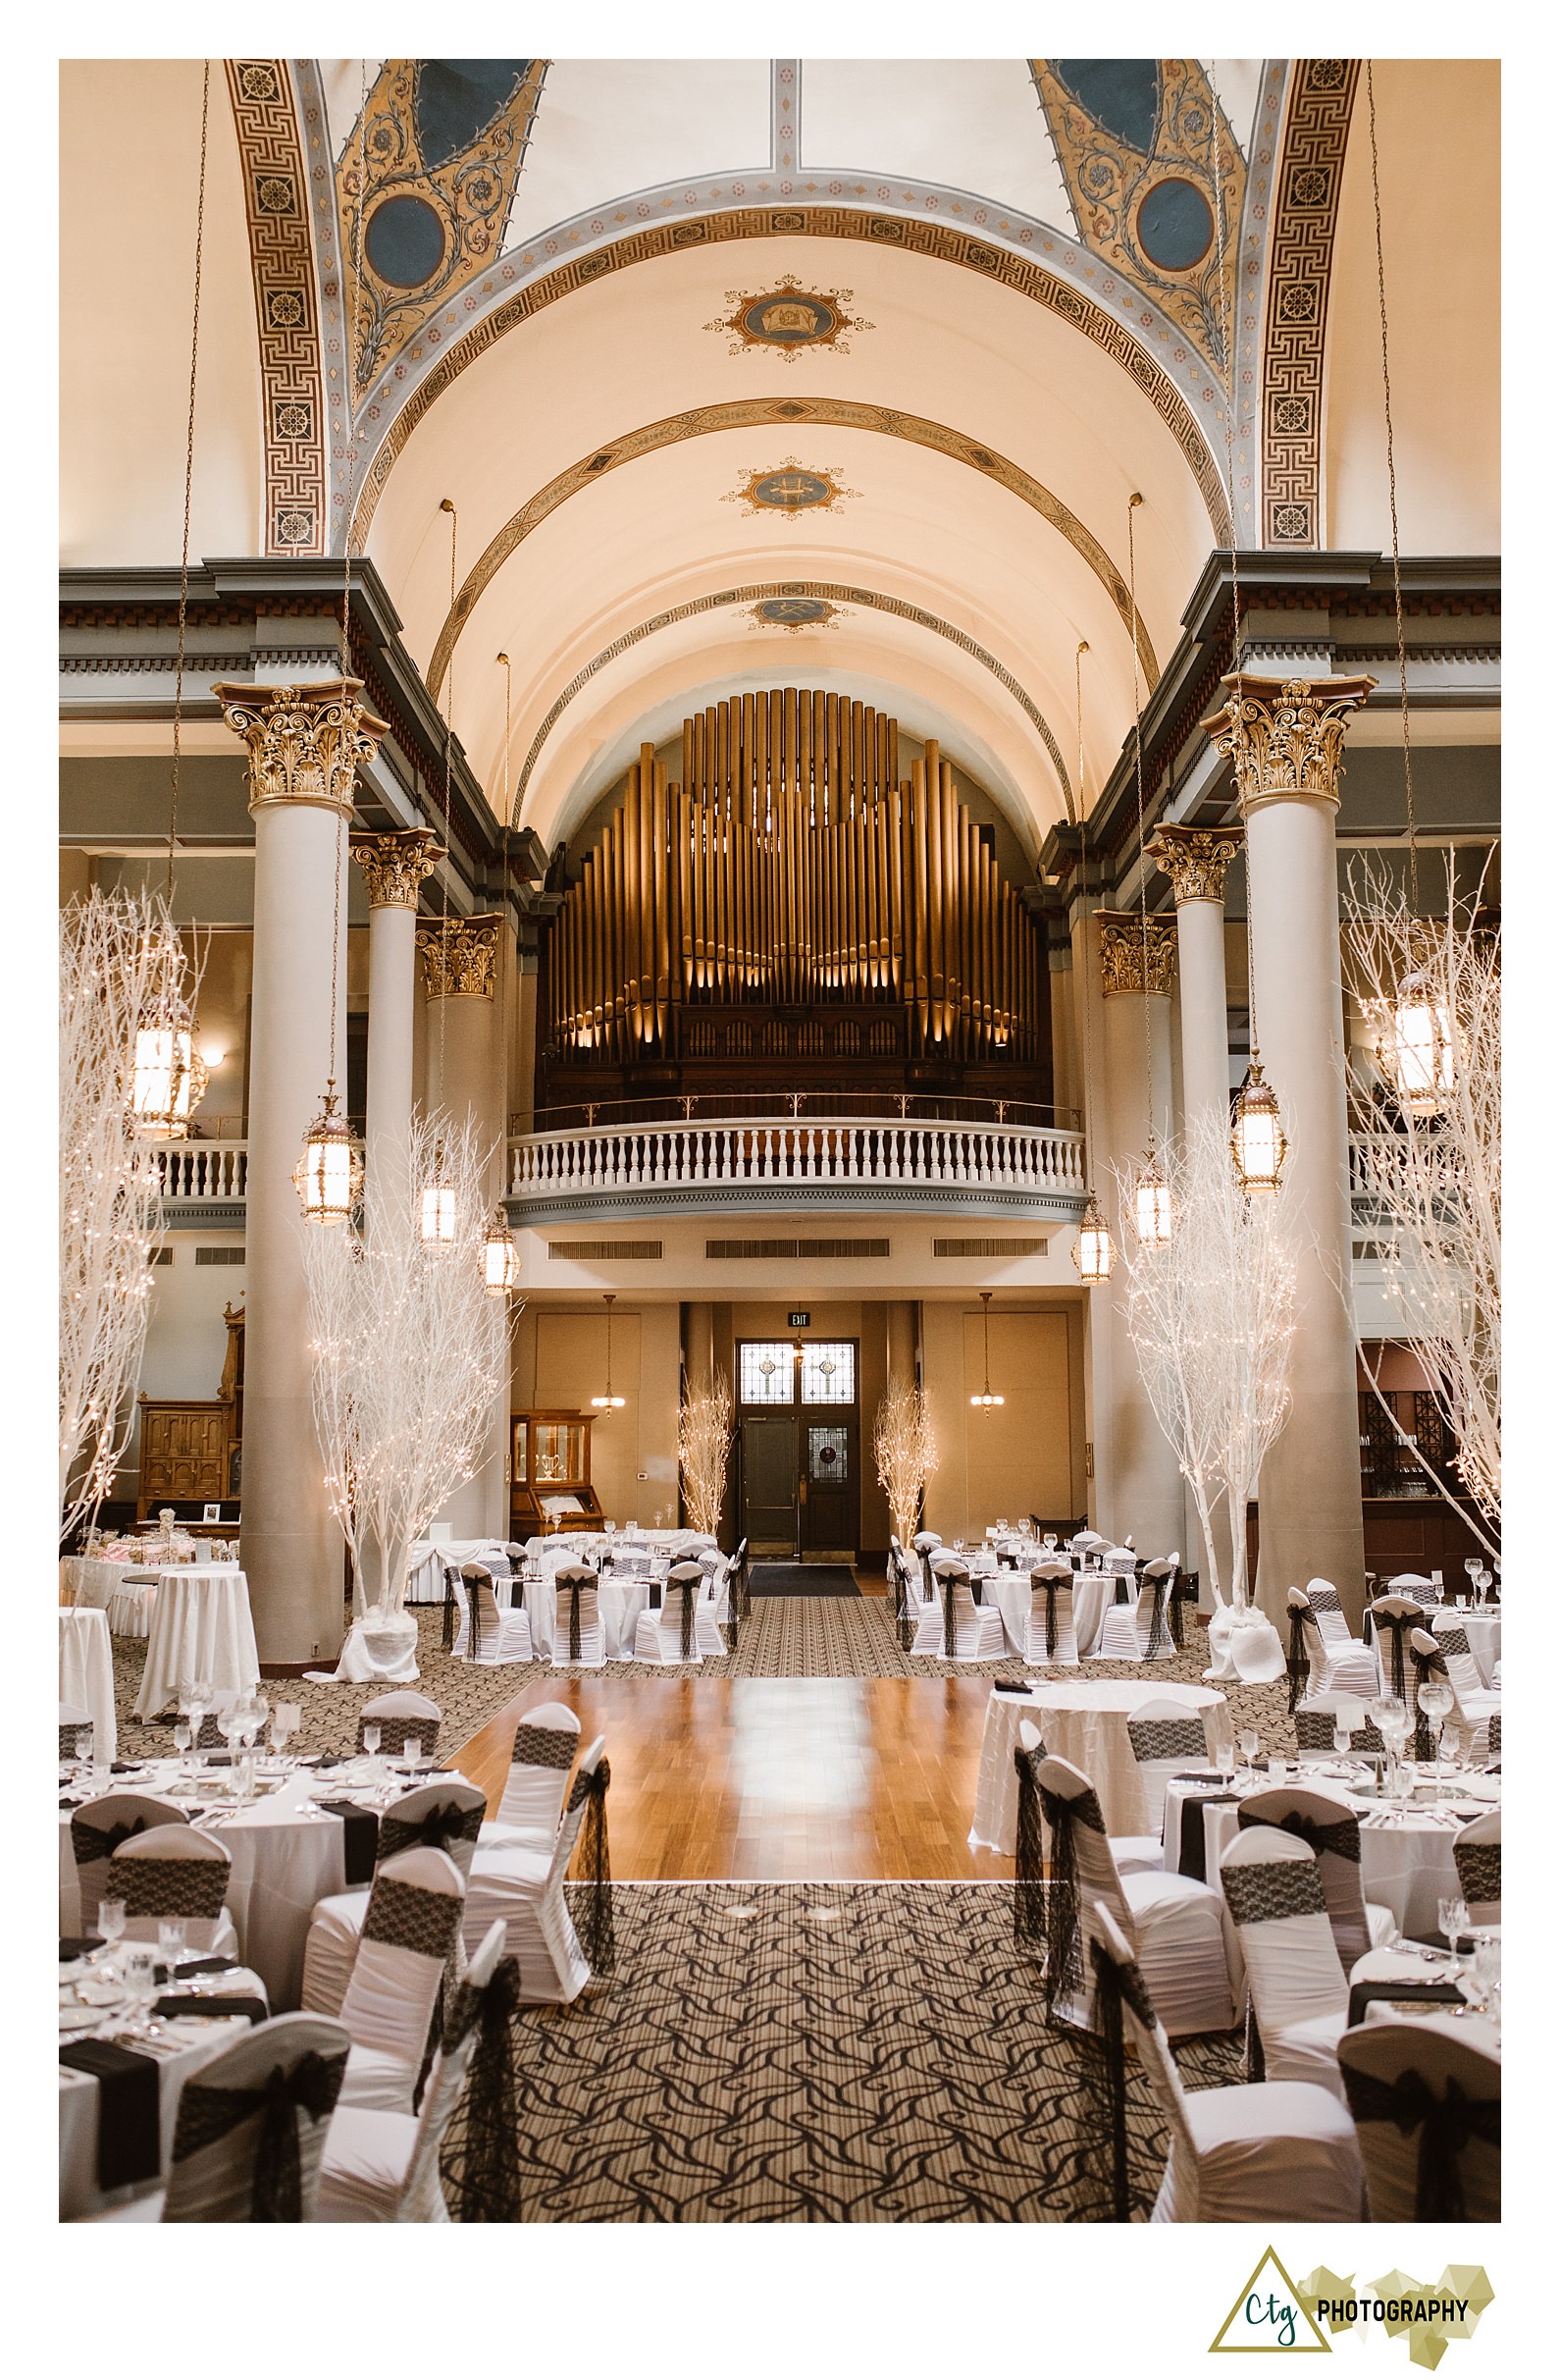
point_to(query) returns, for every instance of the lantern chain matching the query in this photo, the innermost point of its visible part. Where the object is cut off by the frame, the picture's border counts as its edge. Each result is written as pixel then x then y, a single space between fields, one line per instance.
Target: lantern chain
pixel 1392 495
pixel 190 473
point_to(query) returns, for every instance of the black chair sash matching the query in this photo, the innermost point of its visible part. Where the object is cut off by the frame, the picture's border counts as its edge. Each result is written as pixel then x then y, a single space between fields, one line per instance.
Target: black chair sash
pixel 684 1620
pixel 1478 1871
pixel 406 1916
pixel 1273 1889
pixel 1064 1975
pixel 192 1887
pixel 436 1829
pixel 572 1591
pixel 207 2113
pixel 479 2159
pixel 1029 1890
pixel 446 1638
pixel 1340 1892
pixel 1160 1640
pixel 1426 1666
pixel 1445 2126
pixel 69 1731
pixel 948 1582
pixel 1341 1840
pixel 1297 1661
pixel 1167 1739
pixel 594 1922
pixel 1395 1630
pixel 472 1577
pixel 396 1726
pixel 1314 1729
pixel 1494 1737
pixel 1053 1634
pixel 90 1842
pixel 1184 1591
pixel 1116 1990
pixel 544 1747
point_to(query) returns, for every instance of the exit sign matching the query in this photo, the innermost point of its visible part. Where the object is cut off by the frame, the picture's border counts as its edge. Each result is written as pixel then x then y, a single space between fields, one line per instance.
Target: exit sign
pixel 797 1322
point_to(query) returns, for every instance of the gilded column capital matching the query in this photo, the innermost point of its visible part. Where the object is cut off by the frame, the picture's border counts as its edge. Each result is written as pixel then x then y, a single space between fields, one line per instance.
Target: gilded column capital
pixel 459 956
pixel 1286 735
pixel 396 864
pixel 1196 859
pixel 305 742
pixel 1123 947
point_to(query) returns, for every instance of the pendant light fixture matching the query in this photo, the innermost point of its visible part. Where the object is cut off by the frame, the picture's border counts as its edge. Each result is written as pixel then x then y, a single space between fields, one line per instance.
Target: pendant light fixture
pixel 1094 1251
pixel 437 1222
pixel 1151 1198
pixel 170 1075
pixel 499 1261
pixel 1258 1145
pixel 986 1403
pixel 608 1404
pixel 1151 1202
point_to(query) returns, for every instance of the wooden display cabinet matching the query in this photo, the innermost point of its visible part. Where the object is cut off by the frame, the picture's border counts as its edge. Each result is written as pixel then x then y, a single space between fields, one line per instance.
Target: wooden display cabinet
pixel 549 1473
pixel 192 1448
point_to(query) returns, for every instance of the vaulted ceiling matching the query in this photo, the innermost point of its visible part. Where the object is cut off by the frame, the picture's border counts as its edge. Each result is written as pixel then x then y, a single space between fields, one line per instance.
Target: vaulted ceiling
pixel 761 371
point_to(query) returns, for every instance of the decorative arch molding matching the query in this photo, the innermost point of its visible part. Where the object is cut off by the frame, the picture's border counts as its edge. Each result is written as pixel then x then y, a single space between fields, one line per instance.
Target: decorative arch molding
pixel 275 198
pixel 1305 219
pixel 740 413
pixel 938 241
pixel 829 592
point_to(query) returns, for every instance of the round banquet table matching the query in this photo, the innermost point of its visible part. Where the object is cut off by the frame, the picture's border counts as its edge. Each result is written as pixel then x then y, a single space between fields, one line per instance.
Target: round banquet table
pixel 1012 1592
pixel 201 1628
pixel 1483 1630
pixel 87 1582
pixel 186 2046
pixel 86 1676
pixel 1083 1721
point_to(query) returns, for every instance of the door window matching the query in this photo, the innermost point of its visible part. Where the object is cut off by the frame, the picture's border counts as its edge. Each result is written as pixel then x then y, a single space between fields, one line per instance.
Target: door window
pixel 828 1458
pixel 767 1371
pixel 828 1372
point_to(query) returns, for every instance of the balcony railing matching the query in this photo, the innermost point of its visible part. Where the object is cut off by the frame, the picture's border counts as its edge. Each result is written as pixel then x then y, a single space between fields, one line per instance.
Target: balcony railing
pixel 204 1173
pixel 756 1161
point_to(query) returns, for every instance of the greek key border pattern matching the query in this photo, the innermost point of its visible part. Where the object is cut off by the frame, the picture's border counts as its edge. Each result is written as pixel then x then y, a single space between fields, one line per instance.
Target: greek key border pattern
pixel 1305 221
pixel 827 591
pixel 937 241
pixel 287 303
pixel 749 412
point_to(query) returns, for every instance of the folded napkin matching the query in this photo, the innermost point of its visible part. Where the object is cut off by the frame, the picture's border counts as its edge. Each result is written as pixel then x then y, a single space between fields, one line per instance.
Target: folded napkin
pixel 126 1767
pixel 213 1966
pixel 76 1945
pixel 1444 1995
pixel 361 1830
pixel 129 2145
pixel 1195 1776
pixel 1194 1841
pixel 212 2004
pixel 1014 1685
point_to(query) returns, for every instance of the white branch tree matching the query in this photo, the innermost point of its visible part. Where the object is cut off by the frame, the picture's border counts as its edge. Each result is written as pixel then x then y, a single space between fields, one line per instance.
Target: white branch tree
pixel 410 1353
pixel 905 1444
pixel 1212 1318
pixel 1432 1179
pixel 120 963
pixel 703 1449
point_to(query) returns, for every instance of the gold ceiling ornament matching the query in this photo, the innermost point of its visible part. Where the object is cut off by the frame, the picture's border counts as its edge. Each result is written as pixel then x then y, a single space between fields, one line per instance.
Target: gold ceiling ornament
pixel 794 613
pixel 396 864
pixel 461 957
pixel 1196 859
pixel 786 489
pixel 787 318
pixel 1132 957
pixel 1286 735
pixel 305 742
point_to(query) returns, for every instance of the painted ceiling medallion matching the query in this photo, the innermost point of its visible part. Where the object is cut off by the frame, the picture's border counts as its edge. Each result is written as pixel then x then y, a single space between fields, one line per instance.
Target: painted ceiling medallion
pixel 789 488
pixel 789 318
pixel 793 611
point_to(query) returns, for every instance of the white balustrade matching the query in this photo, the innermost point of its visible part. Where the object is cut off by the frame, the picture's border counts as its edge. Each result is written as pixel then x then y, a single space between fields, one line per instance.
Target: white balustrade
pixel 204 1172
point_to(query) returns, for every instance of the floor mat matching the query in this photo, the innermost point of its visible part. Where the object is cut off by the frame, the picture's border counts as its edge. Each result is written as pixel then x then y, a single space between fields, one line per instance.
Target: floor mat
pixel 802 1579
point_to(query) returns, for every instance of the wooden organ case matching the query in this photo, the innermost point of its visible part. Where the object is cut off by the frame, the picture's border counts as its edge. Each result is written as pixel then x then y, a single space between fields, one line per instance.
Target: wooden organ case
pixel 793 902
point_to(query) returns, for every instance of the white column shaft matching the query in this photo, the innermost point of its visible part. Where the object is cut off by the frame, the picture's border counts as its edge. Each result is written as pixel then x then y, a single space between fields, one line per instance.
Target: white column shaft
pixel 1205 1028
pixel 392 992
pixel 465 1078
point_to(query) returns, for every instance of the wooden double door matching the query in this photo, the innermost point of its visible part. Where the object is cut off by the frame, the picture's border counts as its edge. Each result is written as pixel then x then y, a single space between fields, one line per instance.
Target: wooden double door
pixel 800 1438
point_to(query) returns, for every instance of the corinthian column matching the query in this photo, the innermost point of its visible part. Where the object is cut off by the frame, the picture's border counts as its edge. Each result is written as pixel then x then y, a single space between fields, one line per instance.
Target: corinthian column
pixel 396 865
pixel 1286 737
pixel 464 1073
pixel 305 743
pixel 1137 1480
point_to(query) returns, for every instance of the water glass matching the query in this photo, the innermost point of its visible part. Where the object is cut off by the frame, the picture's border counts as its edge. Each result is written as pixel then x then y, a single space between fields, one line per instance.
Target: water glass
pixel 171 1939
pixel 138 1969
pixel 1342 1739
pixel 1451 1915
pixel 370 1744
pixel 1277 1770
pixel 1249 1745
pixel 111 1923
pixel 1225 1758
pixel 285 1720
pixel 1487 1973
pixel 83 1746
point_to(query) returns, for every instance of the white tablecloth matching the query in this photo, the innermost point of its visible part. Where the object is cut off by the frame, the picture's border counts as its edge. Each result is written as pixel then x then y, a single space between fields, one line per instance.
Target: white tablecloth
pixel 583 1545
pixel 1083 1721
pixel 1483 1630
pixel 1397 1966
pixel 86 1676
pixel 619 1600
pixel 79 2107
pixel 201 1628
pixel 88 1583
pixel 131 1607
pixel 1012 1592
pixel 425 1576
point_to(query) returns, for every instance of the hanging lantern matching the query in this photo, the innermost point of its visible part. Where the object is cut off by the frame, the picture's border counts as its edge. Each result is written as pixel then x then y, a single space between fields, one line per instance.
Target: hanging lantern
pixel 1421 1056
pixel 1095 1252
pixel 608 1404
pixel 438 1220
pixel 329 1174
pixel 170 1077
pixel 1257 1140
pixel 1151 1205
pixel 500 1263
pixel 986 1403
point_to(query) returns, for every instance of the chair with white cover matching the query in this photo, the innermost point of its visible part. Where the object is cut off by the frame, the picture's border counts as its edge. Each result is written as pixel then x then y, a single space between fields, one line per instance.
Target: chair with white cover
pixel 397 1717
pixel 1426 2114
pixel 1392 1619
pixel 250 2128
pixel 1166 1738
pixel 523 1889
pixel 1415 1589
pixel 485 1634
pixel 1472 1709
pixel 579 1640
pixel 954 1628
pixel 1140 1629
pixel 381 2165
pixel 685 1628
pixel 1327 1605
pixel 1477 1854
pixel 72 1719
pixel 1244 2153
pixel 409 1931
pixel 445 1817
pixel 1299 1992
pixel 175 1872
pixel 1332 1830
pixel 1172 1923
pixel 924 1544
pixel 1051 1639
pixel 98 1829
pixel 1316 1724
pixel 1319 1666
pixel 545 1741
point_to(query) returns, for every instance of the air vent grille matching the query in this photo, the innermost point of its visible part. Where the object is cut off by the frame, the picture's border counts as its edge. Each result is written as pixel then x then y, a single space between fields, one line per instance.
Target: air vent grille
pixel 219 1255
pixel 989 1248
pixel 604 1251
pixel 164 1255
pixel 738 1251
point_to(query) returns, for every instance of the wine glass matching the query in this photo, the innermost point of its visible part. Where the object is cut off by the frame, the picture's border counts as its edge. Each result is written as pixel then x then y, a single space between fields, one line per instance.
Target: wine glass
pixel 138 1972
pixel 285 1720
pixel 1049 1541
pixel 84 1747
pixel 171 1940
pixel 1487 1973
pixel 1225 1758
pixel 1342 1739
pixel 1434 1698
pixel 1451 1915
pixel 111 1926
pixel 182 1738
pixel 371 1745
pixel 412 1751
pixel 1249 1745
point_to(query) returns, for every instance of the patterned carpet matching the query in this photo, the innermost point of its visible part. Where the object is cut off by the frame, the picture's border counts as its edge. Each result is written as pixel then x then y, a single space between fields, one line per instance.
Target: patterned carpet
pixel 811 2053
pixel 786 1636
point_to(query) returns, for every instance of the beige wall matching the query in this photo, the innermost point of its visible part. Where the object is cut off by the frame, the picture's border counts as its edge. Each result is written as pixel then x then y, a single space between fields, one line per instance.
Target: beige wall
pixel 1026 1455
pixel 560 1360
pixel 187 1338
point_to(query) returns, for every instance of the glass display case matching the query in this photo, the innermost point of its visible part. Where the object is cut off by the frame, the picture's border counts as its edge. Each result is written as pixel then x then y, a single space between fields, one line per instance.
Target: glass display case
pixel 550 1473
